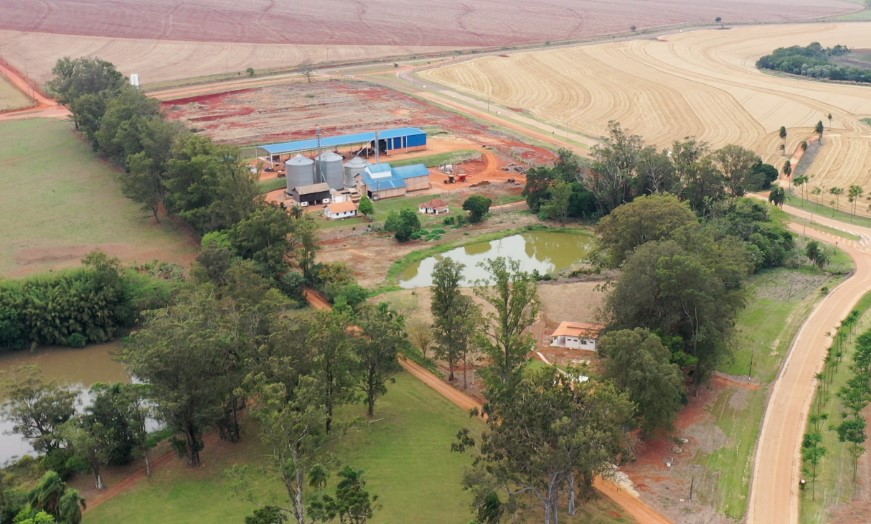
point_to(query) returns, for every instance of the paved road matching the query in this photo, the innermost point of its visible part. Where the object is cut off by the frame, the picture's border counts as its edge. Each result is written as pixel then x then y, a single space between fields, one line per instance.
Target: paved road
pixel 774 493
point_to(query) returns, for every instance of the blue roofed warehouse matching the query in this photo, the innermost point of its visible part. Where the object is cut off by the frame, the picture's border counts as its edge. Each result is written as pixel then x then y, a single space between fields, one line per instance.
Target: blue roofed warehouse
pixel 387 142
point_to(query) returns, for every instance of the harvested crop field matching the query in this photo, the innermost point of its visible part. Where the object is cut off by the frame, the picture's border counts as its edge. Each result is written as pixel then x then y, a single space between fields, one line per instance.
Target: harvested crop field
pixel 165 40
pixel 292 111
pixel 701 83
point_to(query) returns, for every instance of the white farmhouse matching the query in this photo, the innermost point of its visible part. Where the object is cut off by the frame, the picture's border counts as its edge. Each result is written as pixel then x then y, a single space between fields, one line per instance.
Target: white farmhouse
pixel 576 335
pixel 337 210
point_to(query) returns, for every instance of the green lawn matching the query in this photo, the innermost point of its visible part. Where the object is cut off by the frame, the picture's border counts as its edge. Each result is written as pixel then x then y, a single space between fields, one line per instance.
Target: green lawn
pixel 58 201
pixel 780 301
pixel 451 157
pixel 835 484
pixel 811 203
pixel 405 452
pixel 867 120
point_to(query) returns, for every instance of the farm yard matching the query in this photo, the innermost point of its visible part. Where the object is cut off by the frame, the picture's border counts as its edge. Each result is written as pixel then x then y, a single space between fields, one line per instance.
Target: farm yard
pixel 61 202
pixel 701 83
pixel 175 40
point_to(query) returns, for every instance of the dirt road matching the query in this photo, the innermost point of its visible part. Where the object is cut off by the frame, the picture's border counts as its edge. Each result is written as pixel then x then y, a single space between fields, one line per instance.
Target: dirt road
pixel 774 491
pixel 631 504
pixel 45 107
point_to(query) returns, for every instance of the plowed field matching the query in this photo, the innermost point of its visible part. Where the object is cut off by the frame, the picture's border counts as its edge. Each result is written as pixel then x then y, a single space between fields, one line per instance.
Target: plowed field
pixel 165 40
pixel 701 83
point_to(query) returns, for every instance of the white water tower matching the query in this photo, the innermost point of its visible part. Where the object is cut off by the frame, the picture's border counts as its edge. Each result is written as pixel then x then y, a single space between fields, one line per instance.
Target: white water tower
pixel 134 80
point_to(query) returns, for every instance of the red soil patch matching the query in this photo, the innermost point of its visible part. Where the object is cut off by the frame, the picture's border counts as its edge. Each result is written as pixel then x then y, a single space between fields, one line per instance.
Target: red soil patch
pixel 378 22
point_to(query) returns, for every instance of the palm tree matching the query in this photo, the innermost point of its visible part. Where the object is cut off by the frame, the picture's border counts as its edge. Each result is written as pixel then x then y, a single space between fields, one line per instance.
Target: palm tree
pixel 71 507
pixel 801 183
pixel 787 170
pixel 818 129
pixel 830 119
pixel 782 134
pixel 836 192
pixel 47 494
pixel 818 191
pixel 854 192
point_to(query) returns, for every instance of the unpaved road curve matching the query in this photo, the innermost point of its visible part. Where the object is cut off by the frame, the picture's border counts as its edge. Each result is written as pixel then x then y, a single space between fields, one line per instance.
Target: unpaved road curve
pixel 774 492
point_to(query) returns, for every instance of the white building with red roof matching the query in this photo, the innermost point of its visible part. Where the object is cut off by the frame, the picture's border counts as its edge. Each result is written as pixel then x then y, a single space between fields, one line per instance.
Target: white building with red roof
pixel 576 335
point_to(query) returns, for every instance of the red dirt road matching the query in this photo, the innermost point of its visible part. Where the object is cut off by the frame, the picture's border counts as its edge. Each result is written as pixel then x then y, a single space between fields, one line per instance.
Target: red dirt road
pixel 631 504
pixel 45 106
pixel 774 491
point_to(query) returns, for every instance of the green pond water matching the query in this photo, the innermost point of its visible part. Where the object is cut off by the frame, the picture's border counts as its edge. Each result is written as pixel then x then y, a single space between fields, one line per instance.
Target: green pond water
pixel 542 251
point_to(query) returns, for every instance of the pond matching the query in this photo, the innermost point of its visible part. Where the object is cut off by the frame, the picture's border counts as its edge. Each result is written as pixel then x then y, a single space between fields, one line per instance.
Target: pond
pixel 542 251
pixel 79 368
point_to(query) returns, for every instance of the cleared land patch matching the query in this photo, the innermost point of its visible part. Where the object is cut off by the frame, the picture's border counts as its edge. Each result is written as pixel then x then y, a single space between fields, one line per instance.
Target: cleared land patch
pixel 58 201
pixel 701 83
pixel 11 98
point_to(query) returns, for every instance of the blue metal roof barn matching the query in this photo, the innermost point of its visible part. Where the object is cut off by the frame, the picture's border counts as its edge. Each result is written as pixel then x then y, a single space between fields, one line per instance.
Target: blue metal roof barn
pixel 391 139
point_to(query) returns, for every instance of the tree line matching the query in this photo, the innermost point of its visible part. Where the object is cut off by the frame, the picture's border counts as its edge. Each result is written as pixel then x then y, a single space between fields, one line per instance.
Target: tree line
pixel 164 165
pixel 814 61
pixel 624 168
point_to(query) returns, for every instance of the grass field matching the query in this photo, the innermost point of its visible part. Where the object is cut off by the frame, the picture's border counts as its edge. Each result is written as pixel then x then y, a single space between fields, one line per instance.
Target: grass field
pixel 835 484
pixel 812 204
pixel 11 97
pixel 58 201
pixel 780 301
pixel 405 453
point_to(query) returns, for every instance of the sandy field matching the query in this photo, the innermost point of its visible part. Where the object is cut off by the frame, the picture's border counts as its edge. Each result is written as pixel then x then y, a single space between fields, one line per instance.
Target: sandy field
pixel 700 83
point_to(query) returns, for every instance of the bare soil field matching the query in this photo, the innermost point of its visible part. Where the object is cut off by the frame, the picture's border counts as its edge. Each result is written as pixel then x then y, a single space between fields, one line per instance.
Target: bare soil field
pixel 291 111
pixel 701 83
pixel 385 22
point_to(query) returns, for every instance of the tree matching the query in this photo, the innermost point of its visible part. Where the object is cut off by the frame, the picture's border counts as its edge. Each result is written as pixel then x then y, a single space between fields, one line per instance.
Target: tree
pixel 307 68
pixel 836 192
pixel 719 20
pixel 852 432
pixel 818 129
pixel 377 348
pixel 145 181
pixel 37 409
pixel 352 503
pixel 854 193
pixel 801 182
pixel 52 496
pixel 737 163
pixel 91 443
pixel 818 191
pixel 402 224
pixel 305 238
pixel 334 362
pixel 812 451
pixel 829 116
pixel 365 207
pixel 122 129
pixel 543 437
pixel 632 28
pixel 292 427
pixel 614 172
pixel 513 295
pixel 185 354
pixel 702 182
pixel 558 206
pixel 644 219
pixel 767 172
pixel 84 85
pixel 639 364
pixel 787 168
pixel 777 196
pixel 420 334
pixel 250 71
pixel 263 238
pixel 782 134
pixel 120 411
pixel 478 206
pixel 454 315
pixel 687 289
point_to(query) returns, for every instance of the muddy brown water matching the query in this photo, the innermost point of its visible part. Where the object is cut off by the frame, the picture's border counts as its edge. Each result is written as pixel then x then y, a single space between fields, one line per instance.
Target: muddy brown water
pixel 542 251
pixel 79 368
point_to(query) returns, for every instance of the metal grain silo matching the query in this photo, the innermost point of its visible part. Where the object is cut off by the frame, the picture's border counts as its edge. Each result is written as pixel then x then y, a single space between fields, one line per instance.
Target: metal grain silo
pixel 353 168
pixel 300 172
pixel 331 169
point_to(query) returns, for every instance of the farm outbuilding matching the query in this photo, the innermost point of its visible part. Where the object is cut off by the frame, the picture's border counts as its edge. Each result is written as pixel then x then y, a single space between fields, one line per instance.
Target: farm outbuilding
pixel 387 142
pixel 576 335
pixel 383 181
pixel 312 194
pixel 337 210
pixel 436 206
